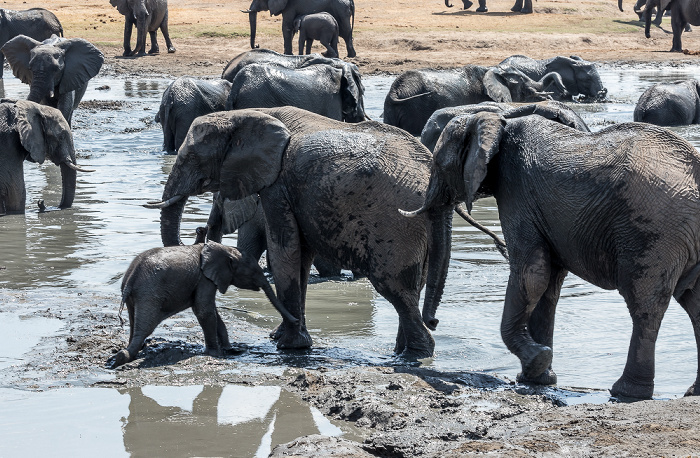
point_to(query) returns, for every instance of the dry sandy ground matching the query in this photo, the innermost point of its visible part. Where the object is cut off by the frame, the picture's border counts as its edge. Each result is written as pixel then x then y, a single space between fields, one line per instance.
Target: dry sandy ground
pixel 414 412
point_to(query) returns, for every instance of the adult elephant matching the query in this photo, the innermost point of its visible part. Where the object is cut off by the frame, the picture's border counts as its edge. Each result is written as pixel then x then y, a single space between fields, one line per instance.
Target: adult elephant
pixel 342 10
pixel 580 77
pixel 57 70
pixel 147 16
pixel 33 132
pixel 670 104
pixel 617 207
pixel 322 89
pixel 185 99
pixel 683 13
pixel 327 188
pixel 416 94
pixel 36 23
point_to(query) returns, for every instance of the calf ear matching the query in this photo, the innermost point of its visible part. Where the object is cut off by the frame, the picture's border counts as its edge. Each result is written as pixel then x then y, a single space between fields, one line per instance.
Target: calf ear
pixel 217 265
pixel 30 127
pixel 496 87
pixel 17 52
pixel 351 90
pixel 122 6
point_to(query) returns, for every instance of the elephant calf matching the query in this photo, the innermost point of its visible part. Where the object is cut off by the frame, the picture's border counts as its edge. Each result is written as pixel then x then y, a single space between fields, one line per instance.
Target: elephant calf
pixel 164 281
pixel 321 27
pixel 670 104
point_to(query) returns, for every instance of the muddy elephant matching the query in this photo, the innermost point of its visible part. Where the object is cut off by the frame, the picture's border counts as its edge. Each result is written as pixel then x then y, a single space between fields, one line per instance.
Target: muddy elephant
pixel 185 99
pixel 161 282
pixel 57 70
pixel 147 16
pixel 327 188
pixel 318 26
pixel 670 104
pixel 323 89
pixel 33 132
pixel 617 207
pixel 416 94
pixel 36 23
pixel 342 10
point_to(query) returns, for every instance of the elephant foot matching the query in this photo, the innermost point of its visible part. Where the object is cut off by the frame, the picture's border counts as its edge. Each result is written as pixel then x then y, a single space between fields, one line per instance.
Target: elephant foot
pixel 688 28
pixel 675 49
pixel 516 9
pixel 536 359
pixel 627 389
pixel 127 53
pixel 467 4
pixel 351 53
pixel 526 11
pixel 216 352
pixel 171 49
pixel 694 389
pixel 292 338
pixel 548 377
pixel 482 9
pixel 414 354
pixel 119 359
pixel 153 51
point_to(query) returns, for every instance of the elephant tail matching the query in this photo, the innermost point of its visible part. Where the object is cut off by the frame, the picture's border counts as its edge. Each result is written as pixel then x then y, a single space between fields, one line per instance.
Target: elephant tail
pixel 395 99
pixel 500 244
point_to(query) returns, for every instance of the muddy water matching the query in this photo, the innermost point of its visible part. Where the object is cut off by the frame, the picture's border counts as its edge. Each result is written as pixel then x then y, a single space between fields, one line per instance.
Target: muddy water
pixel 82 252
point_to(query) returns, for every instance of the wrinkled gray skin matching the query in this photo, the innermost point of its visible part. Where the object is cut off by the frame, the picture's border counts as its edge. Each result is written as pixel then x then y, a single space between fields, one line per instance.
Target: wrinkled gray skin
pixel 342 10
pixel 33 132
pixel 580 77
pixel 36 23
pixel 57 70
pixel 550 109
pixel 336 195
pixel 161 282
pixel 147 16
pixel 329 91
pixel 618 208
pixel 670 104
pixel 185 99
pixel 416 94
pixel 321 27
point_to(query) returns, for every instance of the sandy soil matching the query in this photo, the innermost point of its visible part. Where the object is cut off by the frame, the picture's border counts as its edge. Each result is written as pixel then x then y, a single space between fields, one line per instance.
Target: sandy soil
pixel 401 411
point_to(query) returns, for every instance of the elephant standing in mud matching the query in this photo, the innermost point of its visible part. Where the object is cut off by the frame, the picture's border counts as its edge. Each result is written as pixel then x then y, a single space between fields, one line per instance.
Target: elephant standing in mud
pixel 327 188
pixel 342 10
pixel 416 94
pixel 36 23
pixel 321 27
pixel 33 132
pixel 619 208
pixel 147 16
pixel 185 99
pixel 670 104
pixel 161 282
pixel 57 70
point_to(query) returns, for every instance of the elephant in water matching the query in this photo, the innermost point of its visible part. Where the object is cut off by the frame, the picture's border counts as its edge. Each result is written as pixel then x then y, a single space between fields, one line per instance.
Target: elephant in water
pixel 670 104
pixel 147 16
pixel 36 23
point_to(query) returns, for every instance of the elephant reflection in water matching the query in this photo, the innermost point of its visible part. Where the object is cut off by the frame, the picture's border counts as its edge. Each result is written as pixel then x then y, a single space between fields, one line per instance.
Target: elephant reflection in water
pixel 264 416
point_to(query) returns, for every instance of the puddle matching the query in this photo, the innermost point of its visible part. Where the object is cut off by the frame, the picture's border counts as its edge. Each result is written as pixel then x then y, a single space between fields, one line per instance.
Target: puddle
pixel 18 335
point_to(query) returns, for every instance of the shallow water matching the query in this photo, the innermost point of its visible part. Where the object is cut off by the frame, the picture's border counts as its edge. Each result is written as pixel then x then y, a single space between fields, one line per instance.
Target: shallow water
pixel 85 250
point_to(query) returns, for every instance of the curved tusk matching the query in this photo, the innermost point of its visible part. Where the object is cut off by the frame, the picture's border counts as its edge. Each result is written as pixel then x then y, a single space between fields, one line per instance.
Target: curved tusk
pixel 247 11
pixel 412 214
pixel 161 204
pixel 79 169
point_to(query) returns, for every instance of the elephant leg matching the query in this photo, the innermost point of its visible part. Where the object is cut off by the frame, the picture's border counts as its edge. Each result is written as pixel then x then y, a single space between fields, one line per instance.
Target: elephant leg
pixel 518 6
pixel 345 32
pixel 527 7
pixel 222 332
pixel 326 267
pixel 204 308
pixel 287 35
pixel 166 34
pixel 154 42
pixel 482 7
pixel 65 104
pixel 659 16
pixel 128 28
pixel 143 321
pixel 2 63
pixel 309 42
pixel 677 28
pixel 690 301
pixel 541 323
pixel 302 40
pixel 330 52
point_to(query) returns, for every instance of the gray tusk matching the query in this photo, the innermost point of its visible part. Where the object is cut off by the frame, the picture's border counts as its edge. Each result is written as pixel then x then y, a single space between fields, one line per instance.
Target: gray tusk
pixel 161 204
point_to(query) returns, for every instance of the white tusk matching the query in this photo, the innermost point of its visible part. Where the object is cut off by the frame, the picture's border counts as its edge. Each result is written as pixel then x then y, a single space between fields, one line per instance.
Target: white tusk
pixel 161 204
pixel 75 167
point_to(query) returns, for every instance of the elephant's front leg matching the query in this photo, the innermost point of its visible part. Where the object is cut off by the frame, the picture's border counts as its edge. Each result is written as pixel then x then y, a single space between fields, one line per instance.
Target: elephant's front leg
pixel 128 28
pixel 204 308
pixel 154 42
pixel 288 35
pixel 677 26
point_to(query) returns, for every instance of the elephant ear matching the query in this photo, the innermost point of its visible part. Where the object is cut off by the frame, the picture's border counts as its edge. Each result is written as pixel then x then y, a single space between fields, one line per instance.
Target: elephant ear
pixel 495 86
pixel 82 62
pixel 30 127
pixel 556 111
pixel 276 6
pixel 122 6
pixel 351 90
pixel 17 51
pixel 238 212
pixel 216 263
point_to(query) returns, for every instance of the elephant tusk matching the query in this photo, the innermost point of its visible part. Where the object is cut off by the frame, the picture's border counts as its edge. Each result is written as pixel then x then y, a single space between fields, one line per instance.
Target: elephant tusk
pixel 76 168
pixel 161 204
pixel 247 11
pixel 412 214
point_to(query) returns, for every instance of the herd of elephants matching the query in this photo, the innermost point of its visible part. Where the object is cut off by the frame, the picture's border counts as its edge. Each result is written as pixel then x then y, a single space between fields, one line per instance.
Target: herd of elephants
pixel 300 171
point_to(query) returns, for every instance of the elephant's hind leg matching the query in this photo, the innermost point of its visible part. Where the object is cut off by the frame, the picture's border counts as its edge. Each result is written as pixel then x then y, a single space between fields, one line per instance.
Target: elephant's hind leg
pixel 154 42
pixel 166 34
pixel 690 301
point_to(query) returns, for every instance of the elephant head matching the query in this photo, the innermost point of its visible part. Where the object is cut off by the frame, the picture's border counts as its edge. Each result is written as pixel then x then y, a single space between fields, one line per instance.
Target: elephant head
pixel 236 153
pixel 511 85
pixel 579 77
pixel 352 90
pixel 274 6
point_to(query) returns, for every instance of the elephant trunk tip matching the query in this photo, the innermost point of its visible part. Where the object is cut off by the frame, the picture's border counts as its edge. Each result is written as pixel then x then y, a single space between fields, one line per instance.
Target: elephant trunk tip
pixel 431 322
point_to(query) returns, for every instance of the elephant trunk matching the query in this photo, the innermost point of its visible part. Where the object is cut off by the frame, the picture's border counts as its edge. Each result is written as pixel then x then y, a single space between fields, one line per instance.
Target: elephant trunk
pixel 447 4
pixel 41 89
pixel 554 78
pixel 68 178
pixel 170 218
pixel 647 24
pixel 253 18
pixel 438 263
pixel 278 304
pixel 619 4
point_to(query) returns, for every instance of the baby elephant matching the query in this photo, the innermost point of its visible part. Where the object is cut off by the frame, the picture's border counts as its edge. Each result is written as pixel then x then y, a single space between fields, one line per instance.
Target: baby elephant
pixel 164 281
pixel 318 26
pixel 670 104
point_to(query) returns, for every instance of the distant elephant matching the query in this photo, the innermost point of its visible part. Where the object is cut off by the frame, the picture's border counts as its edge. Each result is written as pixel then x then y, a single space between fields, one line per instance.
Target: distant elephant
pixel 322 89
pixel 185 99
pixel 33 132
pixel 468 4
pixel 342 10
pixel 618 207
pixel 147 16
pixel 580 77
pixel 327 188
pixel 416 94
pixel 318 26
pixel 36 23
pixel 161 282
pixel 519 7
pixel 670 104
pixel 57 70
pixel 683 13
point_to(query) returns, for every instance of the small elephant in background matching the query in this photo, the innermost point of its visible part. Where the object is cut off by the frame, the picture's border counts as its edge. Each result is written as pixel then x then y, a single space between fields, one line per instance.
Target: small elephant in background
pixel 161 282
pixel 319 26
pixel 147 16
pixel 185 99
pixel 36 23
pixel 670 104
pixel 57 70
pixel 520 6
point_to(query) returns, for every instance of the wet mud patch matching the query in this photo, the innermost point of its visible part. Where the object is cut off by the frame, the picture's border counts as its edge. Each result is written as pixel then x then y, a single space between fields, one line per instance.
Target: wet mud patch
pixel 103 104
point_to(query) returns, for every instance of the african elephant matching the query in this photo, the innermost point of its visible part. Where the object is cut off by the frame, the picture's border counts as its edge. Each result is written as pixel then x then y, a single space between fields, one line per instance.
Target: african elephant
pixel 161 282
pixel 416 94
pixel 617 207
pixel 147 16
pixel 57 70
pixel 322 89
pixel 579 76
pixel 342 10
pixel 36 23
pixel 683 13
pixel 327 188
pixel 33 132
pixel 318 26
pixel 670 104
pixel 185 99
